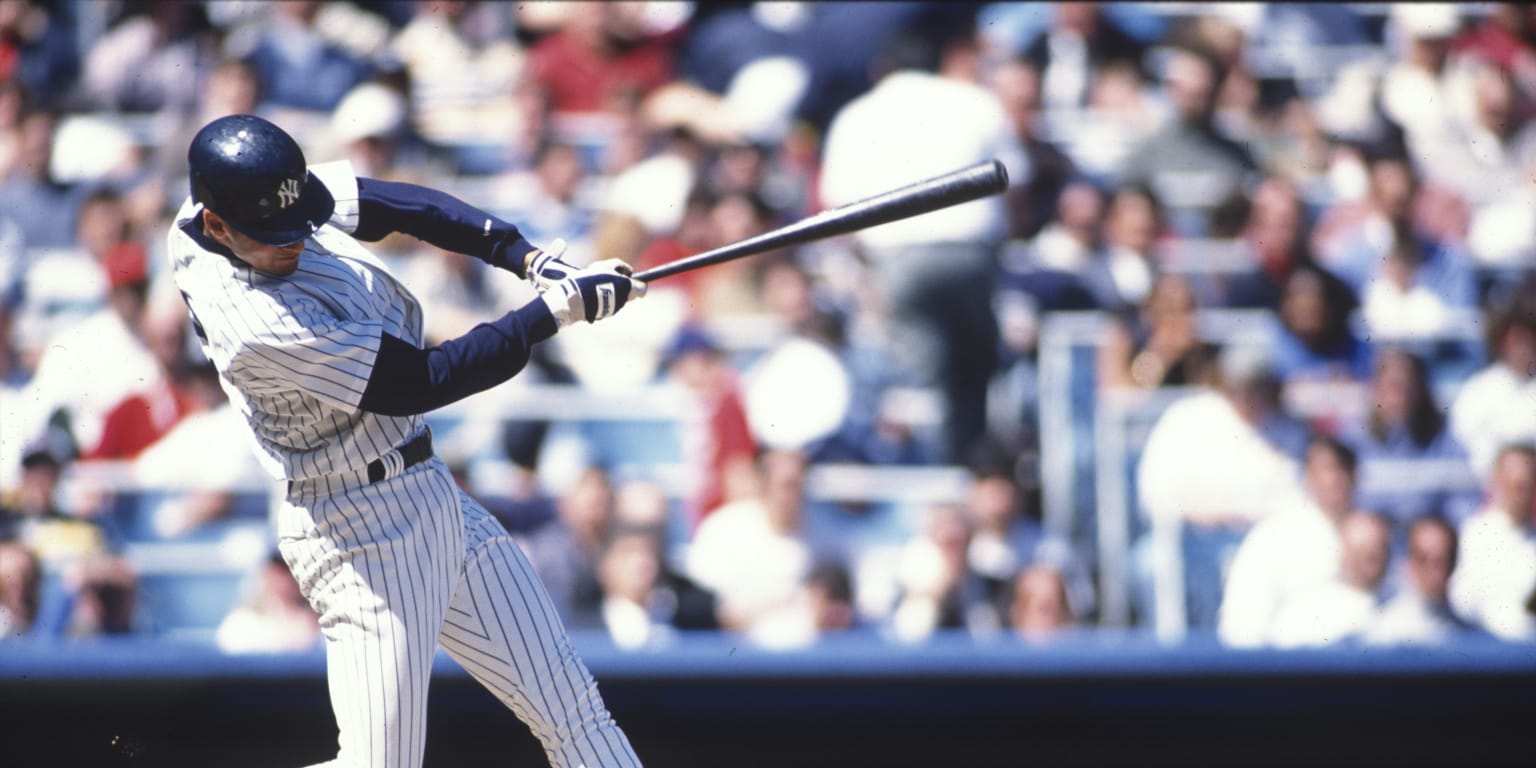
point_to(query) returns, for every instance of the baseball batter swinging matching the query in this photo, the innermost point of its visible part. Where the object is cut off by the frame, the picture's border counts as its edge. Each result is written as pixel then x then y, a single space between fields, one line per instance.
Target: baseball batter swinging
pixel 320 348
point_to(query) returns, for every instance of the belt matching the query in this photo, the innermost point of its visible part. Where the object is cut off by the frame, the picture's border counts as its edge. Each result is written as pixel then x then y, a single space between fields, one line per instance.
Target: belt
pixel 414 452
pixel 403 457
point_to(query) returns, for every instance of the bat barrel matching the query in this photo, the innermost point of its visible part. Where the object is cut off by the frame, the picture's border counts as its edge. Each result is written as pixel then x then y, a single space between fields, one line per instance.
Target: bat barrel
pixel 962 186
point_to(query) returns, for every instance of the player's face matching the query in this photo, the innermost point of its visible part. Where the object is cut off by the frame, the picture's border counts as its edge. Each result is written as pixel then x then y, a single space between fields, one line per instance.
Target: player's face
pixel 275 260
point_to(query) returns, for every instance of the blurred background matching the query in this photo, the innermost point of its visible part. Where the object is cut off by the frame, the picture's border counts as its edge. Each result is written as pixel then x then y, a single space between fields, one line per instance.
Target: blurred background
pixel 1218 428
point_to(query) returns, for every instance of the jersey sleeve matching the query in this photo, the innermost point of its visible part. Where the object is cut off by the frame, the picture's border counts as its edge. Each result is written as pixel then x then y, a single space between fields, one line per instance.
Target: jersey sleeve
pixel 341 180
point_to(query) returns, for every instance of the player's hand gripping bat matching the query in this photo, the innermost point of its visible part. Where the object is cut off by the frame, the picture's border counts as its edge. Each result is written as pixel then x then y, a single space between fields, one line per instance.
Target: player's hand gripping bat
pixel 962 186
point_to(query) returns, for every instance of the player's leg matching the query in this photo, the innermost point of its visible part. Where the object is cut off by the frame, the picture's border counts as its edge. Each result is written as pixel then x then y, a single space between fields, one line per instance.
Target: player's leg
pixel 503 629
pixel 379 574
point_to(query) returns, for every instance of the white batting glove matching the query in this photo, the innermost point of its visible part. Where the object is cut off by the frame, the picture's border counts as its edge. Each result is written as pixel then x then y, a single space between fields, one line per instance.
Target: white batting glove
pixel 594 293
pixel 546 268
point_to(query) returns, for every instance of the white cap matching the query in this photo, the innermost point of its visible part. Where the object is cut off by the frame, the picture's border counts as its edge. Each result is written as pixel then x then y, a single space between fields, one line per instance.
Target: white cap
pixel 370 109
pixel 1426 20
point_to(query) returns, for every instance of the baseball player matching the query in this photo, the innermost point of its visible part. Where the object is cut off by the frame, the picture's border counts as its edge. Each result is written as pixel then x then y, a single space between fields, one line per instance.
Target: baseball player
pixel 320 347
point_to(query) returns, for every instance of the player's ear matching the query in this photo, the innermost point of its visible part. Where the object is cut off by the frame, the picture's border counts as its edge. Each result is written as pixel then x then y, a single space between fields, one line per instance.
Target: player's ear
pixel 215 227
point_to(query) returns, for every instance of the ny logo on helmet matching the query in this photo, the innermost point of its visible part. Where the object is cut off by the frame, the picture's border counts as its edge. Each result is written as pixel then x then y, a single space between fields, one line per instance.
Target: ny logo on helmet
pixel 287 193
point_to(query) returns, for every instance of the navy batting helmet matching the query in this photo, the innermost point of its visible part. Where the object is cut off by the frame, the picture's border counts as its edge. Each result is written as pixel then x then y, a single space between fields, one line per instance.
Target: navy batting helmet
pixel 253 174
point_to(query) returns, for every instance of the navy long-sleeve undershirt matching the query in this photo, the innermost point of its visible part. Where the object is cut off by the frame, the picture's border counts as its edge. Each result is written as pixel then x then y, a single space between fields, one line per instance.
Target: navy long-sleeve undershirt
pixel 438 218
pixel 407 380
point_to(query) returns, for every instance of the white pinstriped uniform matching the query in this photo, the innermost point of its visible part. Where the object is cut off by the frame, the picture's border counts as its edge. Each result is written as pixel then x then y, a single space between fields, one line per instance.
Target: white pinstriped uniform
pixel 397 566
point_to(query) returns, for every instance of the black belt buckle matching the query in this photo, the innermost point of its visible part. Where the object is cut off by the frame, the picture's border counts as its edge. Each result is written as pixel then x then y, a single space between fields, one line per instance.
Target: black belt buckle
pixel 412 453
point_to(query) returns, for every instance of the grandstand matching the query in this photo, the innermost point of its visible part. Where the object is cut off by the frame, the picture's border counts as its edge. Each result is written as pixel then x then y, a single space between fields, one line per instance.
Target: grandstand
pixel 1250 209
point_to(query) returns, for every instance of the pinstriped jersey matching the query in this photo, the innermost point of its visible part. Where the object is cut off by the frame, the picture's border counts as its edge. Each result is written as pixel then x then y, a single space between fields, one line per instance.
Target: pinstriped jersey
pixel 294 353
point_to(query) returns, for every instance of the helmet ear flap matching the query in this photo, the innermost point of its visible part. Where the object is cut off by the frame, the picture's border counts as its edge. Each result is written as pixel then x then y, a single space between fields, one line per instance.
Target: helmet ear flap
pixel 201 194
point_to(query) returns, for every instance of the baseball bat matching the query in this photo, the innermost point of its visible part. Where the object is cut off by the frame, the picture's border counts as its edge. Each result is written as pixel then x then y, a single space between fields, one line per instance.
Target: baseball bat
pixel 953 188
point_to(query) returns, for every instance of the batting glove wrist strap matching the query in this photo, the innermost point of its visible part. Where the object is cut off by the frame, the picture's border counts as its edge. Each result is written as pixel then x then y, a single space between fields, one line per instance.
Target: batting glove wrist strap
pixel 592 294
pixel 546 269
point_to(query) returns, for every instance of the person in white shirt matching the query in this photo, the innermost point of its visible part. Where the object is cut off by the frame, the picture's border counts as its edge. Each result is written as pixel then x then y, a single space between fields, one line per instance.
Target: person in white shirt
pixel 1341 609
pixel 1292 553
pixel 1494 406
pixel 753 554
pixel 1494 585
pixel 1420 613
pixel 935 273
pixel 1209 471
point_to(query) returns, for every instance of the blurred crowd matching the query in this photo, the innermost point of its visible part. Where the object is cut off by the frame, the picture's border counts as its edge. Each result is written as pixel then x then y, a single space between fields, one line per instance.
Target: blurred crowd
pixel 1361 178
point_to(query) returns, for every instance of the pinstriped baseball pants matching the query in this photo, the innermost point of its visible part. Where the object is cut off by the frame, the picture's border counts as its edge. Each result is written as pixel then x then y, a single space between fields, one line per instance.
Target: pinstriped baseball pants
pixel 396 567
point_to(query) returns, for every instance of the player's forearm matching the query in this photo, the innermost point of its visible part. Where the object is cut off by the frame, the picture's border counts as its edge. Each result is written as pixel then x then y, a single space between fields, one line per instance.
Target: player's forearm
pixel 441 219
pixel 408 381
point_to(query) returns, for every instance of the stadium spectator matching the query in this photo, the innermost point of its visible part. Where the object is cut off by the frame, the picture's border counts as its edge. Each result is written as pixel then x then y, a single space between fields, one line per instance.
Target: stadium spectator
pixel 1505 37
pixel 600 61
pixel 102 592
pixel 755 552
pixel 634 607
pixel 730 289
pixel 1192 167
pixel 36 517
pixel 565 551
pixel 1419 89
pixel 806 390
pixel 1033 203
pixel 298 66
pixel 1353 241
pixel 1040 609
pixel 1290 554
pixel 1420 613
pixel 1494 585
pixel 1067 252
pixel 1003 540
pixel 1275 237
pixel 1492 407
pixel 1213 466
pixel 1487 158
pixel 1403 422
pixel 1399 304
pixel 718 442
pixel 201 463
pixel 467 89
pixel 38 49
pixel 842 42
pixel 829 590
pixel 1069 55
pixel 936 589
pixel 551 198
pixel 1161 345
pixel 148 413
pixel 1341 608
pixel 231 87
pixel 642 505
pixel 371 128
pixel 272 618
pixel 92 366
pixel 935 273
pixel 151 60
pixel 1133 229
pixel 21 585
pixel 43 206
pixel 1313 342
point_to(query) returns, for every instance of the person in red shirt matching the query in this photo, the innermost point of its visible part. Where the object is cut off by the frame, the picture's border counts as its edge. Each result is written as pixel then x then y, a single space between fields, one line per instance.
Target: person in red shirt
pixel 719 444
pixel 599 61
pixel 145 416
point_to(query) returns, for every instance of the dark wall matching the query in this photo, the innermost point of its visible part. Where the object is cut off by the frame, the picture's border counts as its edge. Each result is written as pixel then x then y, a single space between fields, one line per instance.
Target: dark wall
pixel 1159 709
